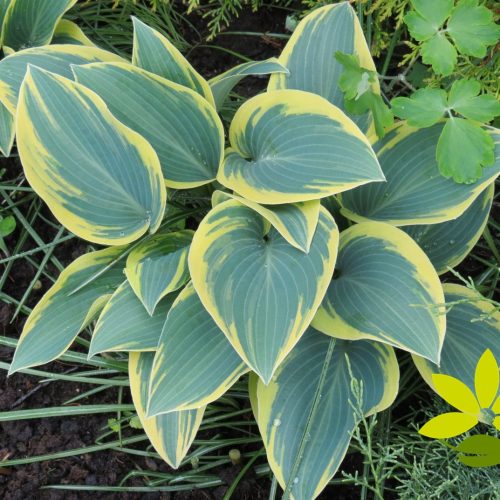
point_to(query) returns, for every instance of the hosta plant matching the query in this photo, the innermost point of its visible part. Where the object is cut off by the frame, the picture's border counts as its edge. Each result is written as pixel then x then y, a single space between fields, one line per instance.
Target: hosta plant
pixel 267 284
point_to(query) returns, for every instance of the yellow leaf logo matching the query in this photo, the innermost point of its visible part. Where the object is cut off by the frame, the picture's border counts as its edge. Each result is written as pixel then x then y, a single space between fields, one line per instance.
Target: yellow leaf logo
pixel 483 406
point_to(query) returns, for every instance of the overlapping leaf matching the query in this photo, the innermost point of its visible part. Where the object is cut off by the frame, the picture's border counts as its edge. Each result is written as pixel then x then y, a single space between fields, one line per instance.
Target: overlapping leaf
pixel 290 145
pixel 68 307
pixel 473 325
pixel 309 55
pixel 7 130
pixel 261 291
pixel 31 23
pixel 194 364
pixel 296 222
pixel 100 179
pixel 415 192
pixel 306 414
pixel 158 266
pixel 68 32
pixel 56 59
pixel 222 84
pixel 448 243
pixel 182 127
pixel 124 324
pixel 155 53
pixel 172 434
pixel 386 290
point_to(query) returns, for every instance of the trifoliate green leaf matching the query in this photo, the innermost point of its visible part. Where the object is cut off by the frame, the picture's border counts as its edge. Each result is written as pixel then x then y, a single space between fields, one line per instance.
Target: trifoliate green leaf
pixel 464 98
pixel 354 80
pixel 428 16
pixel 472 28
pixel 423 108
pixel 463 148
pixel 440 53
pixel 419 27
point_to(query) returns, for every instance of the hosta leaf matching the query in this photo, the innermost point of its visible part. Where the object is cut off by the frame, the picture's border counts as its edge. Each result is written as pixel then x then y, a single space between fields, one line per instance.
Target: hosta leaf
pixel 222 84
pixel 100 179
pixel 473 325
pixel 440 53
pixel 68 32
pixel 463 149
pixel 158 266
pixel 305 414
pixel 194 364
pixel 423 108
pixel 296 222
pixel 61 314
pixel 415 192
pixel 261 291
pixel 31 23
pixel 183 128
pixel 56 59
pixel 473 28
pixel 155 53
pixel 380 268
pixel 448 243
pixel 290 146
pixel 172 434
pixel 309 55
pixel 7 130
pixel 124 324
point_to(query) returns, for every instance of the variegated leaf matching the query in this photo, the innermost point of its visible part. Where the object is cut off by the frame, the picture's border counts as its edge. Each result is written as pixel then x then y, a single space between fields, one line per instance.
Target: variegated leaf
pixel 158 266
pixel 222 84
pixel 194 364
pixel 55 58
pixel 155 53
pixel 124 324
pixel 415 191
pixel 101 179
pixel 473 325
pixel 172 434
pixel 386 290
pixel 69 33
pixel 296 222
pixel 448 243
pixel 183 128
pixel 31 23
pixel 290 145
pixel 68 306
pixel 261 291
pixel 309 56
pixel 307 413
